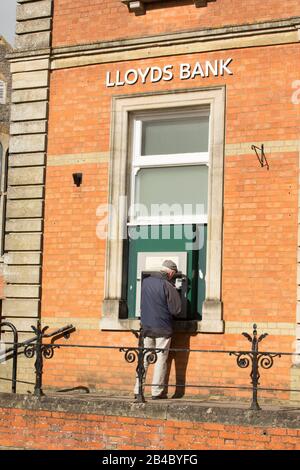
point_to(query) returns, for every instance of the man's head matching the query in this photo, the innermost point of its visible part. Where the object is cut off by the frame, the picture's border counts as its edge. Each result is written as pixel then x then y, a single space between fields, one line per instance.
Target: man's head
pixel 170 268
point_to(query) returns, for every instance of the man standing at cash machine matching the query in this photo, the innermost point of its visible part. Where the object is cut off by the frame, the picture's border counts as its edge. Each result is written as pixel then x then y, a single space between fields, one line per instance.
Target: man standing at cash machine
pixel 160 301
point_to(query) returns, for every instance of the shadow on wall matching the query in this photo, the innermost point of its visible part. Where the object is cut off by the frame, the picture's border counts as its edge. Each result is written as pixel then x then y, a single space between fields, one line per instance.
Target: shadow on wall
pixel 180 360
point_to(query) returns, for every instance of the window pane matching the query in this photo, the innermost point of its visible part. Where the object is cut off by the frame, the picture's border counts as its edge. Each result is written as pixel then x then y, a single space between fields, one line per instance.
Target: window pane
pixel 172 190
pixel 169 136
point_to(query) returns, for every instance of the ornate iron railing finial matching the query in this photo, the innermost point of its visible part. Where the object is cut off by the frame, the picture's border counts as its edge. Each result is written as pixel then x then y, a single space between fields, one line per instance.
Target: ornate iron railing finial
pixel 257 359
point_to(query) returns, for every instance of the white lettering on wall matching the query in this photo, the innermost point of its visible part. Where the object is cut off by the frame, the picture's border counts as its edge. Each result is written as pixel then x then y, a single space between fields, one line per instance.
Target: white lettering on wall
pixel 168 74
pixel 185 71
pixel 154 74
pixel 224 67
pixel 143 74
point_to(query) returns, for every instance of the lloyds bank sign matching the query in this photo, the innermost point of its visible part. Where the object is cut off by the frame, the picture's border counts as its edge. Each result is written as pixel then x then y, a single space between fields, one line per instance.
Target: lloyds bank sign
pixel 183 71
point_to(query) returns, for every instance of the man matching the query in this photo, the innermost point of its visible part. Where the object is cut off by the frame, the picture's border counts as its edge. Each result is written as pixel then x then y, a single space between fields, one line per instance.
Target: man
pixel 160 301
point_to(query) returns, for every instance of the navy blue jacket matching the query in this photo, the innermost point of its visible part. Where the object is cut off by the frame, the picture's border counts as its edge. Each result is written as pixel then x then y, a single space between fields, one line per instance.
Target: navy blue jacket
pixel 159 302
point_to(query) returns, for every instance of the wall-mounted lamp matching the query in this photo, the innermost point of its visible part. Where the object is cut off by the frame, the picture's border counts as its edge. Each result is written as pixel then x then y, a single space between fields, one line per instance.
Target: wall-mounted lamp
pixel 77 178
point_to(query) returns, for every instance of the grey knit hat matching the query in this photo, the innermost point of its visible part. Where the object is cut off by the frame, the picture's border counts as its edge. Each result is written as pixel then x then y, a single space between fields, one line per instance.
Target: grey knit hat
pixel 170 265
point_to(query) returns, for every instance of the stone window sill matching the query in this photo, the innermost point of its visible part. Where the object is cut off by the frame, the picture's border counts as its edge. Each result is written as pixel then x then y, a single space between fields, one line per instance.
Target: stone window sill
pixel 180 326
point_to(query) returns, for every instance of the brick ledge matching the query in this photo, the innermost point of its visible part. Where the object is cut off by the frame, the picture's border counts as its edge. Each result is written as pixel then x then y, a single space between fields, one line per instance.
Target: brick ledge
pixel 169 410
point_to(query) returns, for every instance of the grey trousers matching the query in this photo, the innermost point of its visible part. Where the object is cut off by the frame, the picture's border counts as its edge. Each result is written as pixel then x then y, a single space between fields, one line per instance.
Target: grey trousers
pixel 160 367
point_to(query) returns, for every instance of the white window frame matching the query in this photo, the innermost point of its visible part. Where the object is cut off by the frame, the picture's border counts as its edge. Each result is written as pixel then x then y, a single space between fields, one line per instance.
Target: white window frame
pixel 123 107
pixel 162 161
pixel 3 86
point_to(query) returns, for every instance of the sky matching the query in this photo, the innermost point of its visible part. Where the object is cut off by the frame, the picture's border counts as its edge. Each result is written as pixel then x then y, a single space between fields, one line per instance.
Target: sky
pixel 8 19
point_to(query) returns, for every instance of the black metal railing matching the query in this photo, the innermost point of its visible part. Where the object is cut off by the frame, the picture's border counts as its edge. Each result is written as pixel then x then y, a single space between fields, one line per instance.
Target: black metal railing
pixel 244 358
pixel 11 353
pixel 254 359
pixel 30 348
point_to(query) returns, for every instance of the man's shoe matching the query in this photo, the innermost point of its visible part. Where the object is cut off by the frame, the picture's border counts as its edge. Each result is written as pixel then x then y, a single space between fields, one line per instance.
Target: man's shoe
pixel 162 396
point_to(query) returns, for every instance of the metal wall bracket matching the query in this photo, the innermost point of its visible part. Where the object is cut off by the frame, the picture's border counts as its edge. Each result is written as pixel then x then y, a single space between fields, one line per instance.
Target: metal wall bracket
pixel 139 6
pixel 260 153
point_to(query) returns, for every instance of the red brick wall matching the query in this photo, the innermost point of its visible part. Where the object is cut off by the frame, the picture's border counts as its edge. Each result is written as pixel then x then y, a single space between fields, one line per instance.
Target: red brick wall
pixel 260 217
pixel 102 20
pixel 61 431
